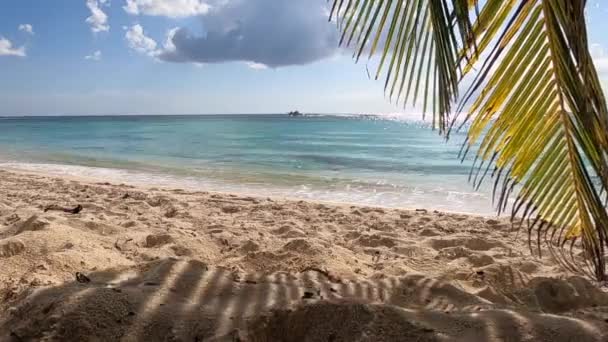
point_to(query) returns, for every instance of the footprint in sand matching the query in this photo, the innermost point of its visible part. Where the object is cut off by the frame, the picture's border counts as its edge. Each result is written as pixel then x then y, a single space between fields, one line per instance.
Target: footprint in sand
pixel 249 247
pixel 129 224
pixel 158 201
pixel 352 236
pixel 529 267
pixel 429 232
pixel 425 219
pixel 480 260
pixel 453 253
pixel 288 232
pixel 99 228
pixel 381 226
pixel 31 224
pixel 219 227
pixel 158 240
pixel 472 243
pixel 181 251
pixel 301 246
pixel 11 248
pixel 375 241
pixel 412 251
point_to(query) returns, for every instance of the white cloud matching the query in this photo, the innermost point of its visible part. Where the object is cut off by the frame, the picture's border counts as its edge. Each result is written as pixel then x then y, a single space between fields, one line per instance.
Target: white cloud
pixel 7 49
pixel 27 28
pixel 98 19
pixel 168 45
pixel 257 66
pixel 138 41
pixel 167 8
pixel 95 56
pixel 600 58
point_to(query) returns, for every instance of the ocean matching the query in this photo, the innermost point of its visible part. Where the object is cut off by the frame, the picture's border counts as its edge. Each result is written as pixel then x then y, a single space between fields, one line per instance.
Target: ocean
pixel 352 159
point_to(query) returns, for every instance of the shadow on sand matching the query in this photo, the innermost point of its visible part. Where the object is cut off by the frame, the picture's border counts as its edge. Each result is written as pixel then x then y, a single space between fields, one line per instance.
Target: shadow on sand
pixel 186 300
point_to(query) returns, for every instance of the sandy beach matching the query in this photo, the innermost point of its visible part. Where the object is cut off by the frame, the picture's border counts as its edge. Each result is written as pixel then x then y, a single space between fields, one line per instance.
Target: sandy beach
pixel 148 264
pixel 303 171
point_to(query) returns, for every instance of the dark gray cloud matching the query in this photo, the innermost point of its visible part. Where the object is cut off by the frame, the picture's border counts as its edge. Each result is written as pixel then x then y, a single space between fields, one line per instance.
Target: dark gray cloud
pixel 275 33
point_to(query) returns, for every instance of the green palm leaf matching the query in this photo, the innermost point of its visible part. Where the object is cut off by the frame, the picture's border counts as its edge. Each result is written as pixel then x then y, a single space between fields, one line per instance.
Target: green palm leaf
pixel 538 113
pixel 417 43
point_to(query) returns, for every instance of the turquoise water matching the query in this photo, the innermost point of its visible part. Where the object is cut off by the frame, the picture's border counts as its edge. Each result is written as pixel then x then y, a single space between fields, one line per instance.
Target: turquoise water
pixel 348 159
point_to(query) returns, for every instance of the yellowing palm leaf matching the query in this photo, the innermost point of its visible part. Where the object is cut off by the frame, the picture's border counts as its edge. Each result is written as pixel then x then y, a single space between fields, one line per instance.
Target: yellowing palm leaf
pixel 538 111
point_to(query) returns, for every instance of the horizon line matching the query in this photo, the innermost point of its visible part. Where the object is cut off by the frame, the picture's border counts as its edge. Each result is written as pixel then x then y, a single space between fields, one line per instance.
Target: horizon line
pixel 204 114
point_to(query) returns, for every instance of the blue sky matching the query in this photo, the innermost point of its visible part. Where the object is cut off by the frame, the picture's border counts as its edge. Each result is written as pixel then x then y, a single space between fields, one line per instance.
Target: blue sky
pixel 70 57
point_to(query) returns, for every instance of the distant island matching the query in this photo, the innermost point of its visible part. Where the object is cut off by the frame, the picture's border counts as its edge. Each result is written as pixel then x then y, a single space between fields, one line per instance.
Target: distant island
pixel 295 113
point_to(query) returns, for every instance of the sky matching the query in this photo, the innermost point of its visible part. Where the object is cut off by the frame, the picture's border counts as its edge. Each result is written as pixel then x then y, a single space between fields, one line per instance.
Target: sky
pixel 119 57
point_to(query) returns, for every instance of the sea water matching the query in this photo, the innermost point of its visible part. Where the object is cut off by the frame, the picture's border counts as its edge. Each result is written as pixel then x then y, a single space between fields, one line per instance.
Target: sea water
pixel 352 159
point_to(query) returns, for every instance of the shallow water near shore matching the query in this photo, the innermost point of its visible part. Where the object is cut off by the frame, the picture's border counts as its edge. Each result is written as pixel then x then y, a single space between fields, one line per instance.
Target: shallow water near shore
pixel 363 160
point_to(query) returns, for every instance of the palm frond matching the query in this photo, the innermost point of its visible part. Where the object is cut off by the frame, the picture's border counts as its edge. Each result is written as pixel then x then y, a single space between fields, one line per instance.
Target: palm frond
pixel 417 43
pixel 540 118
pixel 538 113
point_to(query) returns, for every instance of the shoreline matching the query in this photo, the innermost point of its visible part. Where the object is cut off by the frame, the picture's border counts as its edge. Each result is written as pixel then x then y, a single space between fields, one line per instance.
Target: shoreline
pixel 157 264
pixel 95 179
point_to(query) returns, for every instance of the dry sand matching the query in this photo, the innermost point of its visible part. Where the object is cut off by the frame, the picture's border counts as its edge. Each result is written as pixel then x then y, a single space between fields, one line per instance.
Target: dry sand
pixel 173 265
